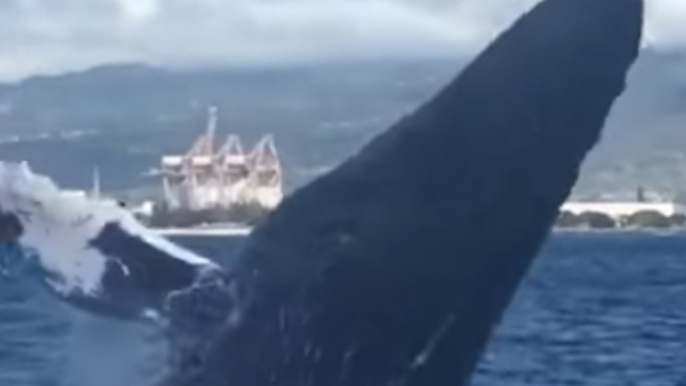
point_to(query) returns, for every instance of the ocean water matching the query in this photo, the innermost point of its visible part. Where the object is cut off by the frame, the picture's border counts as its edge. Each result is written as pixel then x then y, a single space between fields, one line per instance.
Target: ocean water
pixel 596 309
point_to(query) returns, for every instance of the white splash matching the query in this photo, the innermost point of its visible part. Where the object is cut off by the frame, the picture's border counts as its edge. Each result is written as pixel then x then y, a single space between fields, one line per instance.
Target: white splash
pixel 58 226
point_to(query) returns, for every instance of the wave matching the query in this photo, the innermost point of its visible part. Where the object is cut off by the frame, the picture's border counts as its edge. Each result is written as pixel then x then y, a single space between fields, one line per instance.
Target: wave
pixel 95 255
pixel 91 253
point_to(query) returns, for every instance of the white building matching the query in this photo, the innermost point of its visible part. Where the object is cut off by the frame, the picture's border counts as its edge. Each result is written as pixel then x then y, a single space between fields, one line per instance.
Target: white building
pixel 618 210
pixel 206 177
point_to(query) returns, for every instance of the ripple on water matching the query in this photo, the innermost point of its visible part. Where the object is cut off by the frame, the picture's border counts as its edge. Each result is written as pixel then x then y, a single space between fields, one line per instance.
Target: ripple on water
pixel 596 310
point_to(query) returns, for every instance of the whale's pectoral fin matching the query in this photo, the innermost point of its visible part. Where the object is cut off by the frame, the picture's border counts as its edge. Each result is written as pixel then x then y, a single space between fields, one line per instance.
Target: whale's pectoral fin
pixel 394 268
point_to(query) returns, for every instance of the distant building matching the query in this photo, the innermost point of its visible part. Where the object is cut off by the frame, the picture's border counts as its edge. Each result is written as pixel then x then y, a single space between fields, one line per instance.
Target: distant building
pixel 145 210
pixel 206 178
pixel 618 210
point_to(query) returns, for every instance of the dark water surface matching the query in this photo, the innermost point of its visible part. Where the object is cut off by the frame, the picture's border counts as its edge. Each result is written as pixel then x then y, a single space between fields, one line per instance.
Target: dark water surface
pixel 597 309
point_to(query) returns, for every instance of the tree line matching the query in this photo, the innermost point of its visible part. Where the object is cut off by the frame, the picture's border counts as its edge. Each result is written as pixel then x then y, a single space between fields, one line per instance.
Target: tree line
pixel 647 219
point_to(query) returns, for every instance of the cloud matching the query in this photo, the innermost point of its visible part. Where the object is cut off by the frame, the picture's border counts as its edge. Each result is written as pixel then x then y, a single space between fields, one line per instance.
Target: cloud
pixel 666 24
pixel 47 36
pixel 139 10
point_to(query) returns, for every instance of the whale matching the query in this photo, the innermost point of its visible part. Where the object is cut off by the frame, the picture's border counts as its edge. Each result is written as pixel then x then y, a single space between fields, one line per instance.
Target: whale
pixel 393 269
pixel 92 254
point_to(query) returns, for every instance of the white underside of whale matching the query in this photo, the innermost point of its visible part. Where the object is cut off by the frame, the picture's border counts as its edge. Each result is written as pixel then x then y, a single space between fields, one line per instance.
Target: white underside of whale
pixel 58 226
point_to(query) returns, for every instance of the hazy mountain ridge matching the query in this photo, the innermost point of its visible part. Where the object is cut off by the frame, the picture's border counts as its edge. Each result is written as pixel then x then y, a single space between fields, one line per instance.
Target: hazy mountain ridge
pixel 319 115
pixel 645 139
pixel 123 117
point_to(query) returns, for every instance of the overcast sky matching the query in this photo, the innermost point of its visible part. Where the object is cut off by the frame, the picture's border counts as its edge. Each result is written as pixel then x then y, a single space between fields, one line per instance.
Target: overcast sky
pixel 51 36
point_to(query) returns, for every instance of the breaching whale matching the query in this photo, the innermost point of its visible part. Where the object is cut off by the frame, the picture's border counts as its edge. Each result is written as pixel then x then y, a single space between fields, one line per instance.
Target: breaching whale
pixel 393 269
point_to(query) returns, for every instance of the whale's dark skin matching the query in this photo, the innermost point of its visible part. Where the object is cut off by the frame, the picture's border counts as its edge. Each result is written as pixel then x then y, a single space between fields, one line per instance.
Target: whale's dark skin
pixel 394 269
pixel 10 227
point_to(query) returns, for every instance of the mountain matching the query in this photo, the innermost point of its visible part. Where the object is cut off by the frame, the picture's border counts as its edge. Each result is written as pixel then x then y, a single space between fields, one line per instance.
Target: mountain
pixel 645 141
pixel 318 115
pixel 123 117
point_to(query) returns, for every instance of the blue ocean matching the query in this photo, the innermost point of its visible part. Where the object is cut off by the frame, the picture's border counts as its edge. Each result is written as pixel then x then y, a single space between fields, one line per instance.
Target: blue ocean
pixel 600 309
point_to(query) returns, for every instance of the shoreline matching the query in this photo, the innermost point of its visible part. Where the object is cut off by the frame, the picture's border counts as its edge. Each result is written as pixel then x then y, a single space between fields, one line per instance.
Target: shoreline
pixel 207 232
pixel 245 231
pixel 653 231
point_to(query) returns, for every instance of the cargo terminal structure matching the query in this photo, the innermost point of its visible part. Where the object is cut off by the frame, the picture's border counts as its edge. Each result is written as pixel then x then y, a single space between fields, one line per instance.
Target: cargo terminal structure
pixel 209 179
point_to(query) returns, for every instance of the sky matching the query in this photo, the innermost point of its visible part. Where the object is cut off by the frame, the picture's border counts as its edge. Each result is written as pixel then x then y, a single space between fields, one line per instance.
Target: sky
pixel 53 36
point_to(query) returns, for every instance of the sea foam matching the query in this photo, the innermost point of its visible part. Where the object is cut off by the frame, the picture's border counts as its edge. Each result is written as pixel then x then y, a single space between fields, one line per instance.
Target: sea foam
pixel 59 225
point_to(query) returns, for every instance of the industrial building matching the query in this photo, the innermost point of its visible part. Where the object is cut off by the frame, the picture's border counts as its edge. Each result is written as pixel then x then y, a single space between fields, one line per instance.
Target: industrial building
pixel 619 210
pixel 209 177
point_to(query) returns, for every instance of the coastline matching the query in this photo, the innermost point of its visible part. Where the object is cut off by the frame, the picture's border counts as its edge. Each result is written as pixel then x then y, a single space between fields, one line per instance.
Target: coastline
pixel 619 231
pixel 204 232
pixel 245 231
